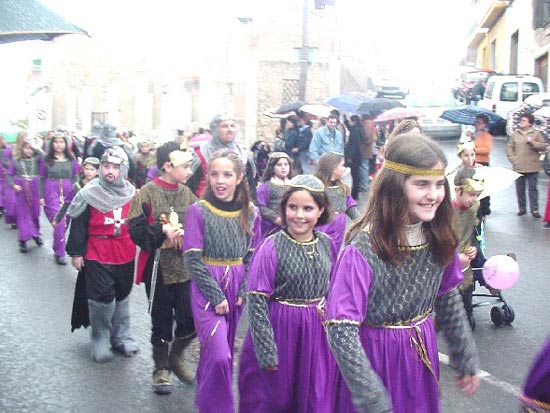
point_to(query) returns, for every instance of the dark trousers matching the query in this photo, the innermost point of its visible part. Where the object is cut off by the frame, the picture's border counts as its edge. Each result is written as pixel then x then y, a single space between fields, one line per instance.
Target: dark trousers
pixel 105 282
pixel 532 179
pixel 171 303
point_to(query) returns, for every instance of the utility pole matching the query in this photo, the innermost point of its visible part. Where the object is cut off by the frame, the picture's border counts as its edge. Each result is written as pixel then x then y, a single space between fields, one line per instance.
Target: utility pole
pixel 304 54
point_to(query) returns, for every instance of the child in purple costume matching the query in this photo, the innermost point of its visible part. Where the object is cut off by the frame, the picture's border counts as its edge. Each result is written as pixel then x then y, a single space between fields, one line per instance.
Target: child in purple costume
pixel 286 363
pixel 331 170
pixel 535 397
pixel 8 192
pixel 218 241
pixel 60 173
pixel 270 192
pixel 24 176
pixel 399 265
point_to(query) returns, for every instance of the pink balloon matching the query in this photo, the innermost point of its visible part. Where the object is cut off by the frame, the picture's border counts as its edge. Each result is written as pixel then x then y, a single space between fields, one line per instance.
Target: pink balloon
pixel 501 271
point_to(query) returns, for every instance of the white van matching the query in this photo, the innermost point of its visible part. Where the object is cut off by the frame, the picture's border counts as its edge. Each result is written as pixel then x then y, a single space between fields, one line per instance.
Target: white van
pixel 504 93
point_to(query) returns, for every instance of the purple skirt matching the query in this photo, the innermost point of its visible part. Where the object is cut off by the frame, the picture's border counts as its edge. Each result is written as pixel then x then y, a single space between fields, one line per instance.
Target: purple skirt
pixel 408 381
pixel 335 230
pixel 305 379
pixel 27 204
pixel 9 203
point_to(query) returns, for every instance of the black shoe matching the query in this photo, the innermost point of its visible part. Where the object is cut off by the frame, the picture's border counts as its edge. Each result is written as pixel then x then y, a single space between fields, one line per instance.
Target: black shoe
pixel 38 241
pixel 60 260
pixel 13 226
pixel 521 212
pixel 535 214
pixel 546 225
pixel 23 246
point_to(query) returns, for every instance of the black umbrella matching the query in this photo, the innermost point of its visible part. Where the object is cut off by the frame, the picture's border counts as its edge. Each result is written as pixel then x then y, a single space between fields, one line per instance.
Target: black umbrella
pixel 376 106
pixel 31 20
pixel 289 107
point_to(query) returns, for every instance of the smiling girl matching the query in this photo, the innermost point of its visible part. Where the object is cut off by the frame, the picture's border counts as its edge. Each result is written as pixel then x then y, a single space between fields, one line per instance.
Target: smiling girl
pixel 400 264
pixel 286 364
pixel 219 230
pixel 269 194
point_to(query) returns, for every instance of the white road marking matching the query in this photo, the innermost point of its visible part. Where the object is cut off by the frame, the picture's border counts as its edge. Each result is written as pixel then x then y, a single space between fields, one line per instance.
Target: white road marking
pixel 484 375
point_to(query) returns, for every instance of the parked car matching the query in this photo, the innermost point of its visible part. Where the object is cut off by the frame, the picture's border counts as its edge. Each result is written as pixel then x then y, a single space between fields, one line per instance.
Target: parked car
pixel 389 87
pixel 432 105
pixel 504 93
pixel 469 79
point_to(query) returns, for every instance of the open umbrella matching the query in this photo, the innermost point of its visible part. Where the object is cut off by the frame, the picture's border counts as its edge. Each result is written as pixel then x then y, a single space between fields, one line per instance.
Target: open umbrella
pixel 289 107
pixel 398 114
pixel 348 102
pixel 466 115
pixel 31 20
pixel 272 114
pixel 495 179
pixel 375 106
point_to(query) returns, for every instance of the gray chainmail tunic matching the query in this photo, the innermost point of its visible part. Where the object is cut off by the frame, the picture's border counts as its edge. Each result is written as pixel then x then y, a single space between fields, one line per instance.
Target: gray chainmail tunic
pixel 271 210
pixel 396 296
pixel 302 274
pixel 338 202
pixel 223 240
pixel 61 170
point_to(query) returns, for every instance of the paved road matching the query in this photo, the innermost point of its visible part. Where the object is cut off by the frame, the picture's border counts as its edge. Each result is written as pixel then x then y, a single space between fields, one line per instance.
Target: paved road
pixel 45 368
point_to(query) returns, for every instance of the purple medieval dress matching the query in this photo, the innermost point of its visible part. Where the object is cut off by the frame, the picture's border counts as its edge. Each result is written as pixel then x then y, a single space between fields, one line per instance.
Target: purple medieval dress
pixel 8 193
pixel 287 285
pixel 25 172
pixel 268 198
pixel 214 249
pixel 535 397
pixel 341 205
pixel 58 190
pixel 382 333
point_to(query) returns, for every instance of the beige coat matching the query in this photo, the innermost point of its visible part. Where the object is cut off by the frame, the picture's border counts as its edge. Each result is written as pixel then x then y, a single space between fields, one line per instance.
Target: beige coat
pixel 525 155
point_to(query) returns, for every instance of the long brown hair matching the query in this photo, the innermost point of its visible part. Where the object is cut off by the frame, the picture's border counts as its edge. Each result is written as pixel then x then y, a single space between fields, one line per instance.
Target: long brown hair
pixel 21 140
pixel 241 196
pixel 325 168
pixel 386 214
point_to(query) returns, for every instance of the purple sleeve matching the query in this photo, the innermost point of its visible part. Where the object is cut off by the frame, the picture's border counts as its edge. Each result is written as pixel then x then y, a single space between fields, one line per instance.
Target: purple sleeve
pixel 76 169
pixel 262 194
pixel 193 236
pixel 349 292
pixel 262 269
pixel 152 172
pixel 452 277
pixel 350 202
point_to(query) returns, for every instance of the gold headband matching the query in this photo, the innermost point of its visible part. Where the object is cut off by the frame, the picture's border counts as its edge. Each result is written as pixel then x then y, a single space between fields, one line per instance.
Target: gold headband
pixel 411 170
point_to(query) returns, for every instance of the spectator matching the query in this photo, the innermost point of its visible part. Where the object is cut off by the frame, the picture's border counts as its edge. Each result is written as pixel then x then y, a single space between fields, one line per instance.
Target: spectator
pixel 325 139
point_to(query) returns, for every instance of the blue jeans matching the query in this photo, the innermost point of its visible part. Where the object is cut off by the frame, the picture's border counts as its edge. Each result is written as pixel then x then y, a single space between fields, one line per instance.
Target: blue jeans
pixel 304 161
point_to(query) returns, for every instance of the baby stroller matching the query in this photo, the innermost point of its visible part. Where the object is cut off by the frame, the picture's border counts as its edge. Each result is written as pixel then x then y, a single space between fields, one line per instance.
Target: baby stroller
pixel 501 313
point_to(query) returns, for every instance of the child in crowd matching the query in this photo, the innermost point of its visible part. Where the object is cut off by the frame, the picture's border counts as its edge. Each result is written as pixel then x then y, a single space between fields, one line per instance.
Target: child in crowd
pixel 400 264
pixel 331 170
pixel 156 218
pixel 466 204
pixel 144 159
pixel 270 192
pixel 219 230
pixel 24 177
pixel 286 364
pixel 6 154
pixel 60 172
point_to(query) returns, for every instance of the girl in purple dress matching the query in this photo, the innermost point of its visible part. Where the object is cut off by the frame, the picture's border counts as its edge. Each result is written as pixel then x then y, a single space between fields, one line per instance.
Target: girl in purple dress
pixel 400 264
pixel 286 363
pixel 3 146
pixel 219 231
pixel 24 177
pixel 270 192
pixel 331 170
pixel 60 173
pixel 8 194
pixel 535 395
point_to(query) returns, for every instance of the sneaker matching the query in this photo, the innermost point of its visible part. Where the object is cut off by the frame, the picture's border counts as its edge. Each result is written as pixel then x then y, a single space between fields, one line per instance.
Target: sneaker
pixel 521 212
pixel 13 226
pixel 546 225
pixel 38 241
pixel 535 214
pixel 23 246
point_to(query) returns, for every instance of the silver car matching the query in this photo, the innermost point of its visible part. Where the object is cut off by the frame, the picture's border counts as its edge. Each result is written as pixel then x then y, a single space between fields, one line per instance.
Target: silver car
pixel 432 106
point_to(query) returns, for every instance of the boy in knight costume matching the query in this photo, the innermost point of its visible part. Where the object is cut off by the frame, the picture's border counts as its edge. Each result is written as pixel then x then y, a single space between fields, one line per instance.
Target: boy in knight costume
pixel 99 242
pixel 156 218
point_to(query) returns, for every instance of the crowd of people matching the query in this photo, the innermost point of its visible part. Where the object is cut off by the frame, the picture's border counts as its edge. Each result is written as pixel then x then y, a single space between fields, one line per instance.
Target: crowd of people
pixel 341 318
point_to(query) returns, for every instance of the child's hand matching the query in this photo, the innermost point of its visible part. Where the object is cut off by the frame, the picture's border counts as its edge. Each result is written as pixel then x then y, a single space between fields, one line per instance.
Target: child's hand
pixel 240 301
pixel 468 384
pixel 464 261
pixel 17 188
pixel 471 252
pixel 42 202
pixel 222 308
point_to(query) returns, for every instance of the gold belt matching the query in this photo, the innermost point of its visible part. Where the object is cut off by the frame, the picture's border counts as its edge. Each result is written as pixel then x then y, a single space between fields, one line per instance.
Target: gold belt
pixel 300 302
pixel 412 323
pixel 219 262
